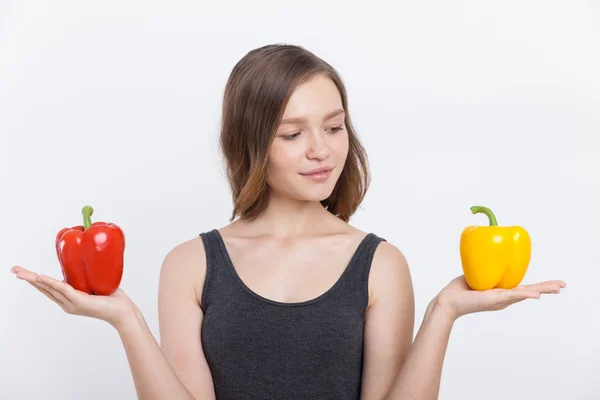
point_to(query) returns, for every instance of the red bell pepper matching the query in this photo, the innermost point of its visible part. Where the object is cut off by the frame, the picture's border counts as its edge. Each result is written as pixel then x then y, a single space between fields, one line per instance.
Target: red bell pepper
pixel 91 255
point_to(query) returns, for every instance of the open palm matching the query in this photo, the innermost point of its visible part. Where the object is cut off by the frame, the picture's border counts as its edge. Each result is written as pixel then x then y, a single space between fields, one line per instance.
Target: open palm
pixel 113 308
pixel 459 299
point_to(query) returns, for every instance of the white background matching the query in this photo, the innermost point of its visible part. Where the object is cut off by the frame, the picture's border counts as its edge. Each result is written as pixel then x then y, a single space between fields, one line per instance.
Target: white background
pixel 116 104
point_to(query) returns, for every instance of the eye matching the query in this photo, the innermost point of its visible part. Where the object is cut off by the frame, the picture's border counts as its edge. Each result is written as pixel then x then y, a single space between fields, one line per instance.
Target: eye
pixel 335 129
pixel 291 137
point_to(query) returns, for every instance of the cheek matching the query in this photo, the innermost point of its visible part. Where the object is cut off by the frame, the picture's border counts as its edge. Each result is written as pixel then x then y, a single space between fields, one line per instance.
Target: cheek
pixel 278 158
pixel 283 160
pixel 340 146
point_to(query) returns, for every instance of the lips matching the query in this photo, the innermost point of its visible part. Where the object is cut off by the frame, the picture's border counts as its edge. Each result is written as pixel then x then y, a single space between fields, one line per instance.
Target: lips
pixel 317 170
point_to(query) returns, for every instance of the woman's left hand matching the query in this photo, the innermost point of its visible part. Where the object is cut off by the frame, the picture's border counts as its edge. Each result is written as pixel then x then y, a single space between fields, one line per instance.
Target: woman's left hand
pixel 458 299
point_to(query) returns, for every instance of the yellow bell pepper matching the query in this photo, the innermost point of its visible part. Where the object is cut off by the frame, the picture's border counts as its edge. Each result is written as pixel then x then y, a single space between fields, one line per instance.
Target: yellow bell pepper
pixel 494 256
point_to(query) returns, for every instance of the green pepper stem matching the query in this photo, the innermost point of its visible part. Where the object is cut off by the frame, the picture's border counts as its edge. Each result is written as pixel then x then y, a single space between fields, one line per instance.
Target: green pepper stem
pixel 87 212
pixel 486 211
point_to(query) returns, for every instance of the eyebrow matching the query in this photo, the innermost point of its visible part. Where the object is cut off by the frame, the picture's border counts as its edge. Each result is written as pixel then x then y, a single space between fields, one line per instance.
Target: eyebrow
pixel 297 120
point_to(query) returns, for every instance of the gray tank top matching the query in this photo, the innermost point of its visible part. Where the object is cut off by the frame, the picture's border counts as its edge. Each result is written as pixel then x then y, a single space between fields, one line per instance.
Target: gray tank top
pixel 258 348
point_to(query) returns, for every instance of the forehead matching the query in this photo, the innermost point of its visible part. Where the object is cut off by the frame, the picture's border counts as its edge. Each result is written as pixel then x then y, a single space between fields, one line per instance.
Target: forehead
pixel 314 98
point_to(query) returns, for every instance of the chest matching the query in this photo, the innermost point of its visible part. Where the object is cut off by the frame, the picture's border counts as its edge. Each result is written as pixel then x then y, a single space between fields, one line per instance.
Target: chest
pixel 257 350
pixel 290 273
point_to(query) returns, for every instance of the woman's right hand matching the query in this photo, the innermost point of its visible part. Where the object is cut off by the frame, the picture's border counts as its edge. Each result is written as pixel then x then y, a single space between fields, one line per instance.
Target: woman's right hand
pixel 114 309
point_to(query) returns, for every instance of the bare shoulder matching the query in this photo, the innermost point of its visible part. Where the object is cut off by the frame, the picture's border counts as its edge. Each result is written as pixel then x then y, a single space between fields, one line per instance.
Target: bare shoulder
pixel 184 266
pixel 180 317
pixel 390 273
pixel 389 256
pixel 389 323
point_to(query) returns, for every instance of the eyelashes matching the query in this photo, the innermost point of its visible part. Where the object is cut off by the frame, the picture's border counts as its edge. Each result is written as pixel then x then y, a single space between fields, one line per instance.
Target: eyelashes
pixel 291 137
pixel 337 129
pixel 295 135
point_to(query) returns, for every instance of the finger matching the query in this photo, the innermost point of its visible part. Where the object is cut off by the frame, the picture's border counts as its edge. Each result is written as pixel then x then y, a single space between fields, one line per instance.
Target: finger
pixel 507 298
pixel 43 291
pixel 16 269
pixel 515 295
pixel 58 295
pixel 545 287
pixel 22 273
pixel 60 286
pixel 49 295
pixel 54 295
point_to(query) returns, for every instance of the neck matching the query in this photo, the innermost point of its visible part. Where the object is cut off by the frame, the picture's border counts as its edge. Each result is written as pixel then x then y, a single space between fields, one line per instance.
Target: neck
pixel 288 218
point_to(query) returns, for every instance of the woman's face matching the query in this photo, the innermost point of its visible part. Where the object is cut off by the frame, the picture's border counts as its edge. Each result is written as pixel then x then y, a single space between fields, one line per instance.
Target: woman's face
pixel 312 135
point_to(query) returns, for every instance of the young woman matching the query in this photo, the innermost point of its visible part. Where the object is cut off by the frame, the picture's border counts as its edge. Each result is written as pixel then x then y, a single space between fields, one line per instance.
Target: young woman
pixel 288 301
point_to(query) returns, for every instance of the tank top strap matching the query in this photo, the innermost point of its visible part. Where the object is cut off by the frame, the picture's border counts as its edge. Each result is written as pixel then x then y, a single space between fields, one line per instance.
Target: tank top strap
pixel 218 279
pixel 360 266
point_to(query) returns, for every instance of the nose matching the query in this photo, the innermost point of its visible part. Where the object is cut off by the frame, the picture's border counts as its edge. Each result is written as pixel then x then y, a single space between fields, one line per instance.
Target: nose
pixel 318 147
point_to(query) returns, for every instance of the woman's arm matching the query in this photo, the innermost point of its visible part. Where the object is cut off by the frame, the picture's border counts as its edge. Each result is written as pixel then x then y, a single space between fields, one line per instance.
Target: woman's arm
pixel 421 372
pixel 179 370
pixel 389 323
pixel 394 368
pixel 153 376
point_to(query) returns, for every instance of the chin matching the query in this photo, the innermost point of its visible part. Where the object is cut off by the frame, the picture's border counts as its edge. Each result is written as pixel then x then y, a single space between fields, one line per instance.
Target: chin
pixel 317 194
pixel 315 198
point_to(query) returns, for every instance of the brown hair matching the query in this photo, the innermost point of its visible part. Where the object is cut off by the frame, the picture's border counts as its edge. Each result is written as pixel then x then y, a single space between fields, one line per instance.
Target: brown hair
pixel 255 98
